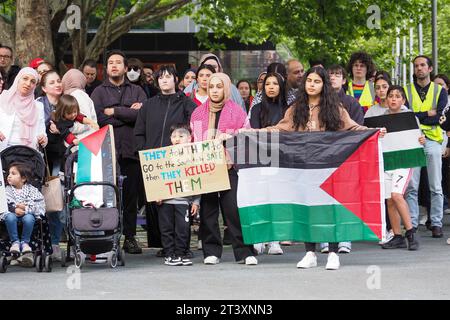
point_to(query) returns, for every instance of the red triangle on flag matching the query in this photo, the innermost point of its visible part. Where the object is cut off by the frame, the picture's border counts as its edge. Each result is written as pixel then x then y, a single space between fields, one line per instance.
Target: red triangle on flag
pixel 94 141
pixel 356 185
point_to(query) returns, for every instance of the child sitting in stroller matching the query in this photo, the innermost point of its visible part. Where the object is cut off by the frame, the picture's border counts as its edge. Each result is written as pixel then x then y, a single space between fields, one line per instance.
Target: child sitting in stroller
pixel 25 203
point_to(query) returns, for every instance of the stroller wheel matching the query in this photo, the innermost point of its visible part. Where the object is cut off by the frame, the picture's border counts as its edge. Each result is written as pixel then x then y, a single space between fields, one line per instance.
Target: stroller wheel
pixel 39 263
pixel 3 264
pixel 121 257
pixel 48 263
pixel 63 258
pixel 78 260
pixel 112 259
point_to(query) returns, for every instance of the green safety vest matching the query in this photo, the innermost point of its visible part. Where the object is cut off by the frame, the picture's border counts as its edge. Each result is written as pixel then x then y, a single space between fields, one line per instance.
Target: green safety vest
pixel 430 103
pixel 367 97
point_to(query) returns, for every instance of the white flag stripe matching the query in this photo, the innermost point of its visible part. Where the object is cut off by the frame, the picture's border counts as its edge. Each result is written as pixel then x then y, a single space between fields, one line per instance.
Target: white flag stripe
pixel 402 140
pixel 259 186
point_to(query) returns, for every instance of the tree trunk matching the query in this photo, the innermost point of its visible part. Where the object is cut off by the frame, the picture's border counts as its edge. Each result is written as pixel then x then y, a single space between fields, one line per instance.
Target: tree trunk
pixel 6 33
pixel 33 31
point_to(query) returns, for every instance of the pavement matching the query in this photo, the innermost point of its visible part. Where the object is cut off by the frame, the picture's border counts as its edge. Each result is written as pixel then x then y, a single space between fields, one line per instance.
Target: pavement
pixel 368 272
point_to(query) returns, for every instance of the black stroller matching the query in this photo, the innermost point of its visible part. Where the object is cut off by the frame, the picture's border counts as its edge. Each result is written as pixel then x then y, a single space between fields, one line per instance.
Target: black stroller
pixel 92 231
pixel 40 239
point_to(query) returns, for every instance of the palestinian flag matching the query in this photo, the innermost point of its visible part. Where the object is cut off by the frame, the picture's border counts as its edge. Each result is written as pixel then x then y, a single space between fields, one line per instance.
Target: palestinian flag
pixel 401 147
pixel 97 163
pixel 313 187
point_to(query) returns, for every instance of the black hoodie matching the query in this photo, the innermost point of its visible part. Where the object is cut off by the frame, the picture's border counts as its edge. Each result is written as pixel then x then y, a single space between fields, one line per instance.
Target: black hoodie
pixel 156 117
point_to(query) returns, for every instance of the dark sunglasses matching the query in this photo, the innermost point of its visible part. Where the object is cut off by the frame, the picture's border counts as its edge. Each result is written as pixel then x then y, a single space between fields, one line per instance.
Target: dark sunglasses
pixel 135 68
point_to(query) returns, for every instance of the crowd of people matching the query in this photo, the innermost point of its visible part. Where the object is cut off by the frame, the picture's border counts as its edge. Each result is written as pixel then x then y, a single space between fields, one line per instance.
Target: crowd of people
pixel 39 107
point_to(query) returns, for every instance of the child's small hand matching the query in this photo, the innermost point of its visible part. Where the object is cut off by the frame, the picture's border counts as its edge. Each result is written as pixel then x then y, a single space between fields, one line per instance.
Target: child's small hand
pixel 19 212
pixel 158 202
pixel 422 140
pixel 194 209
pixel 383 132
pixel 75 142
pixel 94 125
pixel 21 206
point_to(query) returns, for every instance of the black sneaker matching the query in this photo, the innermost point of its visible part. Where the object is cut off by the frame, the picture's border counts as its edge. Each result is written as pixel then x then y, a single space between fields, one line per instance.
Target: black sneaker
pixel 173 261
pixel 188 254
pixel 130 245
pixel 397 242
pixel 186 261
pixel 413 244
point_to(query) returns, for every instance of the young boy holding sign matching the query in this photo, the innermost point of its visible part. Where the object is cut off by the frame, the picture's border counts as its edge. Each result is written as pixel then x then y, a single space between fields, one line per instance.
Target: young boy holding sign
pixel 173 214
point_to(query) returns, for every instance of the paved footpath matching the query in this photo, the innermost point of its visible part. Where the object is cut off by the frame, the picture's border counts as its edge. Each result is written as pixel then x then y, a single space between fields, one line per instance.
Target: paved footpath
pixel 367 273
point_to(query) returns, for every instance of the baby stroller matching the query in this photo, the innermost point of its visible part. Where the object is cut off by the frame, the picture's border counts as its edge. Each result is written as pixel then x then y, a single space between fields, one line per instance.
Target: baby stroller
pixel 40 239
pixel 92 231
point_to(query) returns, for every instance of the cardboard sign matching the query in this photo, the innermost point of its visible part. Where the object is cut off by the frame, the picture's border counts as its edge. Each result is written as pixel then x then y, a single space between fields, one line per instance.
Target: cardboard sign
pixel 184 170
pixel 3 203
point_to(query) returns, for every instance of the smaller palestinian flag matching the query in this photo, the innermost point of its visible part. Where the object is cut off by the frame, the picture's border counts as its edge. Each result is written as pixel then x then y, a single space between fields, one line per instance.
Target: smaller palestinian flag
pixel 97 163
pixel 401 147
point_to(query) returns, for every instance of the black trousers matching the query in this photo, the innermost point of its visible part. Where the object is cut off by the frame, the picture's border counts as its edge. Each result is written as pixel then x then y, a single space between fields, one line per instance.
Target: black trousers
pixel 133 185
pixel 332 246
pixel 209 223
pixel 174 225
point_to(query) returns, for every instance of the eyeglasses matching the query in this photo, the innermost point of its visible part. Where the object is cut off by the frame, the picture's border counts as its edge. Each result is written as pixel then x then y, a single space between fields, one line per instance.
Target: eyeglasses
pixel 5 57
pixel 135 68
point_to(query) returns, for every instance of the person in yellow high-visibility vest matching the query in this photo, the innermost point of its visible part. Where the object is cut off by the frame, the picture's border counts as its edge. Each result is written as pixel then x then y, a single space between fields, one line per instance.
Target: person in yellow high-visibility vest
pixel 427 100
pixel 360 67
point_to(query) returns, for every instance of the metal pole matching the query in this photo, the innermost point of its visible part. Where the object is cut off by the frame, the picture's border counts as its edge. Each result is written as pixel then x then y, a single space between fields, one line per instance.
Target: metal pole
pixel 434 36
pixel 398 66
pixel 420 32
pixel 395 63
pixel 404 62
pixel 411 54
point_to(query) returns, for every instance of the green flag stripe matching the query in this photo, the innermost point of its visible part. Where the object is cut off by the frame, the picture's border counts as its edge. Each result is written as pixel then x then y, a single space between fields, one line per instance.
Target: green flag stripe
pixel 329 223
pixel 84 166
pixel 404 159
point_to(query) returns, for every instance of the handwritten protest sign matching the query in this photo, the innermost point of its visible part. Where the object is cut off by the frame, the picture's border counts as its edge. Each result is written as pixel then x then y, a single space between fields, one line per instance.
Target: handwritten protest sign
pixel 184 170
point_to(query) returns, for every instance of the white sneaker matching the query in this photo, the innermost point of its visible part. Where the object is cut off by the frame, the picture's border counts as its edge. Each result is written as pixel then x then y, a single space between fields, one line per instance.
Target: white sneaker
pixel 251 261
pixel 345 247
pixel 15 248
pixel 56 256
pixel 26 248
pixel 274 248
pixel 423 219
pixel 333 261
pixel 389 237
pixel 259 247
pixel 324 247
pixel 308 261
pixel 211 260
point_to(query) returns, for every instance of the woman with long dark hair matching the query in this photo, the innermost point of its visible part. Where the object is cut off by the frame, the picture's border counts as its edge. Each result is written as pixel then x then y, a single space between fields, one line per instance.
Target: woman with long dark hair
pixel 317 108
pixel 269 112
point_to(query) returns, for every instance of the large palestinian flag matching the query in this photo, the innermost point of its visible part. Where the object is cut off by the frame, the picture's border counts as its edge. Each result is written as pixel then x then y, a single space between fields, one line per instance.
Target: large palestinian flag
pixel 314 187
pixel 97 163
pixel 401 147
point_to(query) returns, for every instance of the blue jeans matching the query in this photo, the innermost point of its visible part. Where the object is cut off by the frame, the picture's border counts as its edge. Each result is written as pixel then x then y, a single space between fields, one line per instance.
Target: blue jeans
pixel 56 220
pixel 433 152
pixel 27 220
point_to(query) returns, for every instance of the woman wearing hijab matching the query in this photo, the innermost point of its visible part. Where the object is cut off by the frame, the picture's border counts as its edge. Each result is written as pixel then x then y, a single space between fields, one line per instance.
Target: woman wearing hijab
pixel 217 117
pixel 74 83
pixel 213 60
pixel 22 120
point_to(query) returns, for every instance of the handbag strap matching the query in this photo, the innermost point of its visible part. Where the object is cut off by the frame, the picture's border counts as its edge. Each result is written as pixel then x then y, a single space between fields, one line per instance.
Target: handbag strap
pixel 46 162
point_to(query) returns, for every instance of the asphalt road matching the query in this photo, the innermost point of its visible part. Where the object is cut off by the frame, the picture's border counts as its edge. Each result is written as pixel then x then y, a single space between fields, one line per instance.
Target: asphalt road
pixel 368 272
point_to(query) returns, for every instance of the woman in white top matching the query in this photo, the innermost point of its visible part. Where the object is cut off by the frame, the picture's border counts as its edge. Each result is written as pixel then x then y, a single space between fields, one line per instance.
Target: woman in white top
pixel 22 120
pixel 74 83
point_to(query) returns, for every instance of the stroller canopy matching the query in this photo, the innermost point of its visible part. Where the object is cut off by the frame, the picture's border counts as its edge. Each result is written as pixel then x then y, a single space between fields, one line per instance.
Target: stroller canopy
pixel 28 156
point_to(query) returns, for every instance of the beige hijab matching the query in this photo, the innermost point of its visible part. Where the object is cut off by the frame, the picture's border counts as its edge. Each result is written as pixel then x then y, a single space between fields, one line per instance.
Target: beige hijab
pixel 215 107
